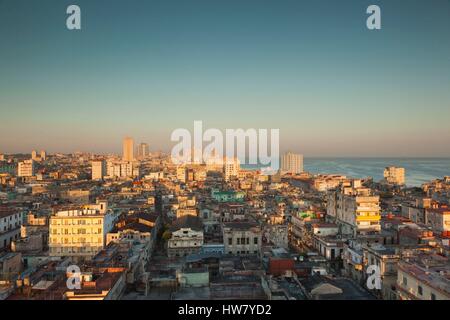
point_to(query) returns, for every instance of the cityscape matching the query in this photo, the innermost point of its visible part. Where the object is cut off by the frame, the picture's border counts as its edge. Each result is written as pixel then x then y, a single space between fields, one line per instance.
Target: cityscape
pixel 139 227
pixel 318 167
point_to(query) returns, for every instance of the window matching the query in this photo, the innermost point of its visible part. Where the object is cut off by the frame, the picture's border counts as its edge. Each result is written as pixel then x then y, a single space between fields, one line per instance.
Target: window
pixel 255 240
pixel 238 240
pixel 420 290
pixel 433 296
pixel 405 281
pixel 230 241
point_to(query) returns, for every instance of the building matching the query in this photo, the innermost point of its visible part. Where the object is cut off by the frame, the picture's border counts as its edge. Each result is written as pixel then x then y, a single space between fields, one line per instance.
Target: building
pixel 354 209
pixel 231 168
pixel 98 169
pixel 394 175
pixel 122 169
pixel 80 232
pixel 128 149
pixel 228 196
pixel 10 222
pixel 186 238
pixel 26 168
pixel 242 238
pixel 438 219
pixel 181 173
pixel 292 163
pixel 142 151
pixel 423 278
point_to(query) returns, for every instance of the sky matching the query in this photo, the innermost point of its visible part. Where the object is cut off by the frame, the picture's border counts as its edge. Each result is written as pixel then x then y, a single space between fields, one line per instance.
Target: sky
pixel 310 68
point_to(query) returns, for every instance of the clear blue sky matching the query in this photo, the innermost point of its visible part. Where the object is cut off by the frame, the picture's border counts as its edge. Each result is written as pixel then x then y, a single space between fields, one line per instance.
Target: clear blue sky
pixel 144 68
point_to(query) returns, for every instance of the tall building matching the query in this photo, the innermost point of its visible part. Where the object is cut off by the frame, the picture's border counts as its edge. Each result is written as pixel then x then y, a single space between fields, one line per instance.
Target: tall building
pixel 142 151
pixel 292 163
pixel 231 168
pixel 34 155
pixel 80 233
pixel 394 175
pixel 98 169
pixel 43 155
pixel 128 149
pixel 354 209
pixel 26 168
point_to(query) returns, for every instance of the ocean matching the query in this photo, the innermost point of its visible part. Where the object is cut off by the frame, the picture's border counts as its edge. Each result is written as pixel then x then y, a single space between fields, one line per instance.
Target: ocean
pixel 417 170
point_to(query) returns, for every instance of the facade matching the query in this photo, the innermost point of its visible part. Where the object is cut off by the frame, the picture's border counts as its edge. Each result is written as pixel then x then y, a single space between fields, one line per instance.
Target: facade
pixel 292 163
pixel 181 173
pixel 438 219
pixel 186 238
pixel 416 281
pixel 80 232
pixel 394 175
pixel 10 223
pixel 231 168
pixel 354 209
pixel 26 168
pixel 98 169
pixel 128 149
pixel 242 238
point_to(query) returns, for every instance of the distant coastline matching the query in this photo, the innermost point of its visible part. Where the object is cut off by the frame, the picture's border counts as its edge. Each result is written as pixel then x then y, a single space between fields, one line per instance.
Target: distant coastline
pixel 418 169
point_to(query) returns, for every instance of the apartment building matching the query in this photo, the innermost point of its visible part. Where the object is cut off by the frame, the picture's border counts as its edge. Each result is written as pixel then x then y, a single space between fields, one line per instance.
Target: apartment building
pixel 231 168
pixel 122 169
pixel 98 169
pixel 354 208
pixel 292 163
pixel 394 175
pixel 80 232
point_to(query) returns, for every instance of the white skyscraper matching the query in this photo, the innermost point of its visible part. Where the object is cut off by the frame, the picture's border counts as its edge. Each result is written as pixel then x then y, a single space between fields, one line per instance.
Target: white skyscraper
pixel 292 163
pixel 128 148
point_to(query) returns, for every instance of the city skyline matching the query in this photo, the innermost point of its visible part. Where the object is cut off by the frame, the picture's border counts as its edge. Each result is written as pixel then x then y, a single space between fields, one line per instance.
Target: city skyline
pixel 315 72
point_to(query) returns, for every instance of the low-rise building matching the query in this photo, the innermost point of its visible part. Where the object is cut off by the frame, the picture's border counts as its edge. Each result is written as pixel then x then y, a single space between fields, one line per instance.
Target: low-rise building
pixel 186 237
pixel 242 238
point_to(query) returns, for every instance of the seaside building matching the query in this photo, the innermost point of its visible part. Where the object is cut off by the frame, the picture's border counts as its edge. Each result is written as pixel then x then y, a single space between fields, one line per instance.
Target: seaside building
pixel 231 168
pixel 292 163
pixel 394 175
